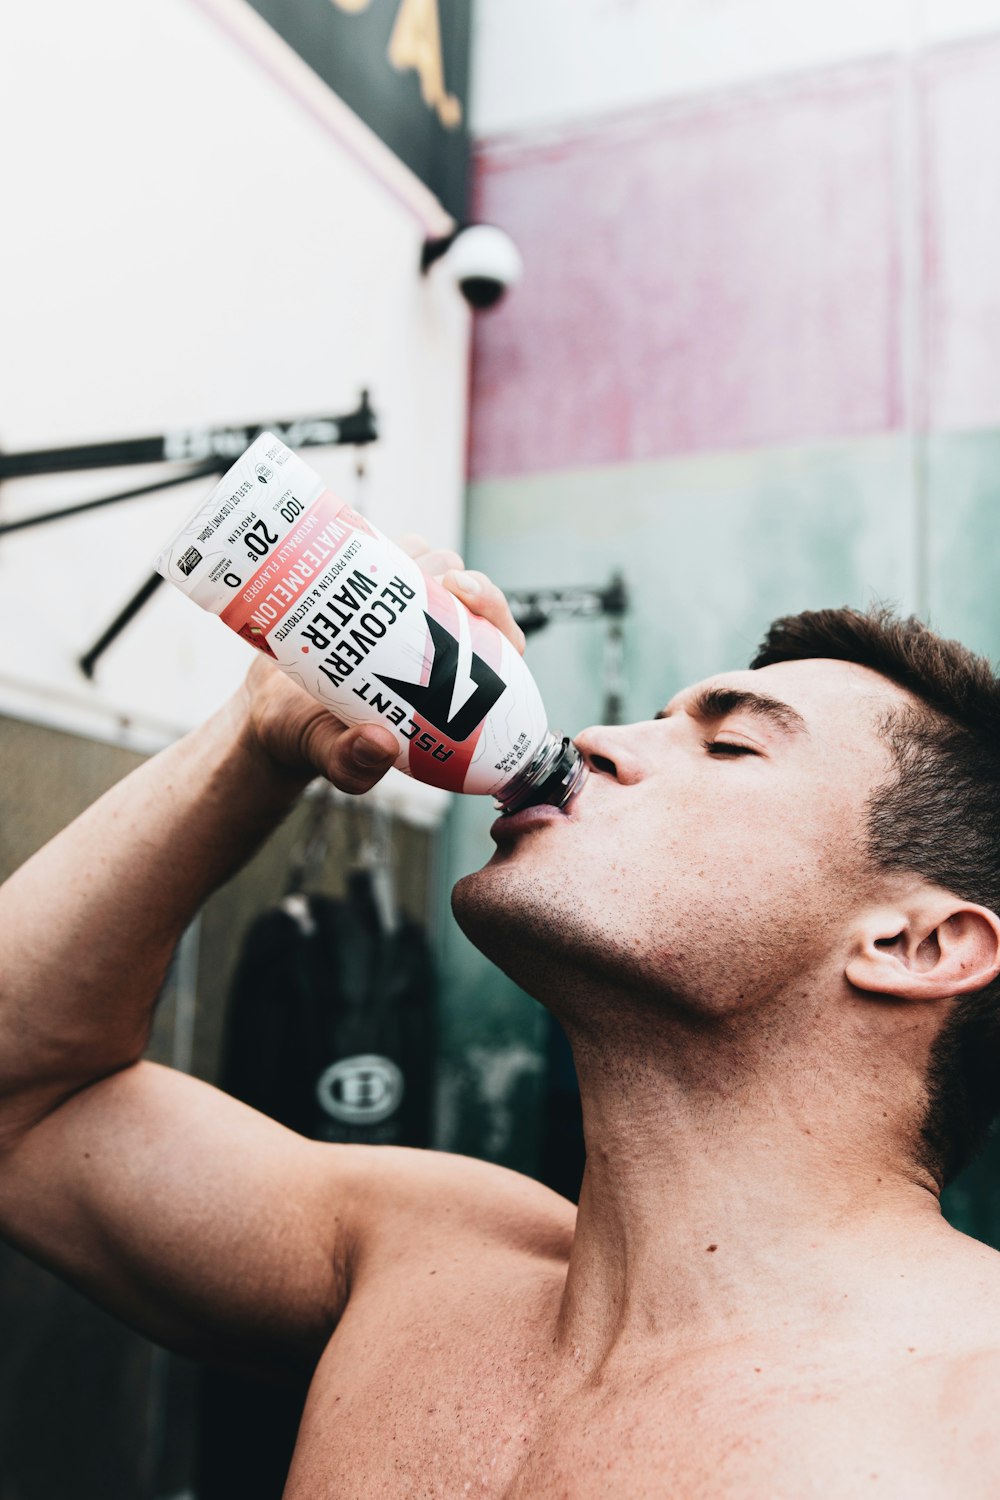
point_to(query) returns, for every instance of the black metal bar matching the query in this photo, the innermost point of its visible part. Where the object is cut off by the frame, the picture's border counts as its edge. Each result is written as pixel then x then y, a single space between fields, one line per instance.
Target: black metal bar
pixel 535 608
pixel 88 661
pixel 224 445
pixel 195 444
pixel 199 472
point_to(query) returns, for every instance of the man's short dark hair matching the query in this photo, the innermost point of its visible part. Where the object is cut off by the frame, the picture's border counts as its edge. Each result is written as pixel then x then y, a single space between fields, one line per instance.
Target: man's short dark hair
pixel 938 816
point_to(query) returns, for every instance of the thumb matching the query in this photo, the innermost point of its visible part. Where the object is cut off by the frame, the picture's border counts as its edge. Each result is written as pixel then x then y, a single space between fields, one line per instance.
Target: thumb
pixel 353 759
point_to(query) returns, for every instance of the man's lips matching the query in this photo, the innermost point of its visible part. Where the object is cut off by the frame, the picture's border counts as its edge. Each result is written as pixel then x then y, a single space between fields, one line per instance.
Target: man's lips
pixel 509 825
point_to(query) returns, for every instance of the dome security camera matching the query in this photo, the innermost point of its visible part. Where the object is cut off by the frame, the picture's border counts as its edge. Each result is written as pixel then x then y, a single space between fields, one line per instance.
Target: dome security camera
pixel 480 259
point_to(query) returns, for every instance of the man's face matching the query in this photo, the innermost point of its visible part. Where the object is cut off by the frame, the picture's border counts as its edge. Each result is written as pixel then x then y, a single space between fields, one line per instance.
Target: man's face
pixel 715 852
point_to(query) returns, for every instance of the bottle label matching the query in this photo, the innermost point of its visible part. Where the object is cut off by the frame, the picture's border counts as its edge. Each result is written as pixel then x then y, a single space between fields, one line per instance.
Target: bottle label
pixel 353 620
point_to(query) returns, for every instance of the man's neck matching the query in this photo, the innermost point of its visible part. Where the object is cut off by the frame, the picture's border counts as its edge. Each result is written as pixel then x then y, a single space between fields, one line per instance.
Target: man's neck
pixel 725 1185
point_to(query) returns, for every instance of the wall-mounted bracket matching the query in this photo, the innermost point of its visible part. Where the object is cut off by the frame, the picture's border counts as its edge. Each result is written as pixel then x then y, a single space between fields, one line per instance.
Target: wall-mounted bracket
pixel 209 450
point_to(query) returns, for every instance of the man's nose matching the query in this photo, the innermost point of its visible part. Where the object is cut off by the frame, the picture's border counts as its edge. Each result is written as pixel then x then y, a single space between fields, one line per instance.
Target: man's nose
pixel 612 750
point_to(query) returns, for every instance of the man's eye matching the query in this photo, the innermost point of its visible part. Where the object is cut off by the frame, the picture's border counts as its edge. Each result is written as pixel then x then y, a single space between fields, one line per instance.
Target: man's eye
pixel 728 747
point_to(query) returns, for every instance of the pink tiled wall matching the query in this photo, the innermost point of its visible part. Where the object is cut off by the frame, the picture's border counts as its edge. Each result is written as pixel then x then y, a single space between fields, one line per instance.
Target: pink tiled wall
pixel 726 272
pixel 705 277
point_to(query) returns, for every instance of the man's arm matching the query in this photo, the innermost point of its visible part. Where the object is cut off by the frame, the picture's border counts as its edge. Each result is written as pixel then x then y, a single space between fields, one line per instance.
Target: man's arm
pixel 210 1227
pixel 89 924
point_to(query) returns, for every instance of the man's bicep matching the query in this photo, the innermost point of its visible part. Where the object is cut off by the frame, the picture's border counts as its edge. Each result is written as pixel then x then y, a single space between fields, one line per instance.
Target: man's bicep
pixel 200 1222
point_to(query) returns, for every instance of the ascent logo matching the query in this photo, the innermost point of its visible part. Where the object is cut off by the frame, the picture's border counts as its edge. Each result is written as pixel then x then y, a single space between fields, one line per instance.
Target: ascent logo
pixel 462 688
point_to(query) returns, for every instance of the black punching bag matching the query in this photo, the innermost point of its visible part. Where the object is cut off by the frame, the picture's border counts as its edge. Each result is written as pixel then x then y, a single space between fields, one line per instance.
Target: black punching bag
pixel 329 1027
pixel 330 1031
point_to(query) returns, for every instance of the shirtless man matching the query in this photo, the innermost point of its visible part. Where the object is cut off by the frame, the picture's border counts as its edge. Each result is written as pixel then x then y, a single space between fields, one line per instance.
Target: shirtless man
pixel 754 923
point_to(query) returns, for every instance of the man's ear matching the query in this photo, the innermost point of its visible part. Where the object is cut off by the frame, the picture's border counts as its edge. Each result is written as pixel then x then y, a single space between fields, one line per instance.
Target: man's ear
pixel 926 948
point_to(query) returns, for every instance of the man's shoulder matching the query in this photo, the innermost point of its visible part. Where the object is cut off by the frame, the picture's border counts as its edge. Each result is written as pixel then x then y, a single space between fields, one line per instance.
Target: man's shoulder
pixel 964 1276
pixel 966 1395
pixel 957 1340
pixel 402 1202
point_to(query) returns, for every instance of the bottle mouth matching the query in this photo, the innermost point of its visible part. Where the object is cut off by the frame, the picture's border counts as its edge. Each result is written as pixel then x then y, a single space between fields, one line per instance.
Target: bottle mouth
pixel 553 776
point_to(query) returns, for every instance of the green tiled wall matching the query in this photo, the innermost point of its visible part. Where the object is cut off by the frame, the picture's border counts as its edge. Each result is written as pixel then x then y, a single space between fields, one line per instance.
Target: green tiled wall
pixel 963 527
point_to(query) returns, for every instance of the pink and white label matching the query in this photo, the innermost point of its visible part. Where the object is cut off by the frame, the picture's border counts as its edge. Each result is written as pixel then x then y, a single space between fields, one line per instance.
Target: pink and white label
pixel 352 619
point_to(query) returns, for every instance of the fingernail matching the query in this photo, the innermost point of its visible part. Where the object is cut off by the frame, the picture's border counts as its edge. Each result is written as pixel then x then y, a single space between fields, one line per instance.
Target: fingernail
pixel 369 753
pixel 468 583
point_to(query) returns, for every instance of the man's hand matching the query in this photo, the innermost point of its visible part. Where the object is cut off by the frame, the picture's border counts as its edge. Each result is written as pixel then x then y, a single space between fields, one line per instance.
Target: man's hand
pixel 304 739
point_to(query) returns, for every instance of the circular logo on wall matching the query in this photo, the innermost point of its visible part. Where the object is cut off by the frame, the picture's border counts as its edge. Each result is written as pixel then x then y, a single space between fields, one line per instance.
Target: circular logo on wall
pixel 360 1090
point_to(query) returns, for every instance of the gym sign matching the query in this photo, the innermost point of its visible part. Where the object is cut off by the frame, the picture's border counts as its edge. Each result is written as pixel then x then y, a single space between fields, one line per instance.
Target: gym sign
pixel 402 66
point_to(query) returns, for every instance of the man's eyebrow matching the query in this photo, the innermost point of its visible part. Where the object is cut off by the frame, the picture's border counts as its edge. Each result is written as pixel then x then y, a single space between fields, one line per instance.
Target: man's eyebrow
pixel 717 702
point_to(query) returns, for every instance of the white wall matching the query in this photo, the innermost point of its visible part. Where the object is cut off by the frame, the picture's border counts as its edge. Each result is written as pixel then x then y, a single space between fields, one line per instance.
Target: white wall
pixel 548 62
pixel 188 239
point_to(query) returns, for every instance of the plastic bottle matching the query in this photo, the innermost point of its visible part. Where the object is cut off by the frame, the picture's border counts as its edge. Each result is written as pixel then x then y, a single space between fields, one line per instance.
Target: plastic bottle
pixel 352 619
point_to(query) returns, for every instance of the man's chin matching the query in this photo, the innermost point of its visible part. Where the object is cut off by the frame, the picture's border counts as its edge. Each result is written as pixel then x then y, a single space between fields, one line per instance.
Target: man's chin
pixel 498 912
pixel 489 903
pixel 473 901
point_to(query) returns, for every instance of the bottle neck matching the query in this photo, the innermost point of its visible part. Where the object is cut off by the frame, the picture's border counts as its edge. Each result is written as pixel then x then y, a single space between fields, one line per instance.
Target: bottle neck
pixel 554 773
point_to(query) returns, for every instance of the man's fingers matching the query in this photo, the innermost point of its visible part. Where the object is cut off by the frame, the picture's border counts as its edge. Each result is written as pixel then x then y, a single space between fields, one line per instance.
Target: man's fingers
pixel 353 759
pixel 482 597
pixel 474 589
pixel 438 562
pixel 300 735
pixel 413 543
pixel 432 560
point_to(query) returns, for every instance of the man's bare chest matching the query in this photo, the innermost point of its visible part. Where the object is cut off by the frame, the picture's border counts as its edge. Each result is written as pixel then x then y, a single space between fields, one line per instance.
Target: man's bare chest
pixel 448 1441
pixel 422 1405
pixel 429 1393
